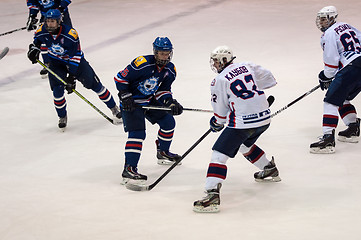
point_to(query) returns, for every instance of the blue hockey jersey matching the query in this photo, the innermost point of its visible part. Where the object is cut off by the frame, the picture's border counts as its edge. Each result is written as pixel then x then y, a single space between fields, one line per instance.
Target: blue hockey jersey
pixel 43 6
pixel 145 80
pixel 64 47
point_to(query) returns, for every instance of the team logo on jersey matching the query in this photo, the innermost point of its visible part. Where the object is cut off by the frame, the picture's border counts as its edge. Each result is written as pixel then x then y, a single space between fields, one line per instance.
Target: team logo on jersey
pixel 57 49
pixel 73 33
pixel 139 60
pixel 149 86
pixel 47 3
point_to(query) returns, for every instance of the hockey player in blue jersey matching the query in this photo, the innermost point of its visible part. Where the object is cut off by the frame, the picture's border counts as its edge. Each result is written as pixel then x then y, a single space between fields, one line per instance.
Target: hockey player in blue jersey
pixel 67 60
pixel 341 78
pixel 42 6
pixel 147 80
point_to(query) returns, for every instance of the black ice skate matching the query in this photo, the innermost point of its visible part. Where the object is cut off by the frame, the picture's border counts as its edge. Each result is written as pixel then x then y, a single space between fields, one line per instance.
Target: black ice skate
pixel 325 145
pixel 268 174
pixel 117 114
pixel 131 174
pixel 62 123
pixel 210 203
pixel 351 134
pixel 166 157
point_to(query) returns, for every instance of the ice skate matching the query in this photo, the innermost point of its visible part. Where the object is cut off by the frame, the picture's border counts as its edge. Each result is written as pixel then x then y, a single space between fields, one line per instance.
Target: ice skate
pixel 268 174
pixel 166 157
pixel 325 145
pixel 210 203
pixel 131 174
pixel 351 134
pixel 62 123
pixel 117 115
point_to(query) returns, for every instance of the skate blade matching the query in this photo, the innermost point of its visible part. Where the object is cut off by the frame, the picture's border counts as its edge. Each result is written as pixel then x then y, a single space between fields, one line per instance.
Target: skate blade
pixel 44 76
pixel 269 179
pixel 326 150
pixel 62 129
pixel 352 139
pixel 214 208
pixel 167 162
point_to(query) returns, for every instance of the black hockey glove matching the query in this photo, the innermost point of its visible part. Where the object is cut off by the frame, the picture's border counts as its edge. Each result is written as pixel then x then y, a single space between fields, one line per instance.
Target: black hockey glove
pixel 176 107
pixel 33 53
pixel 70 83
pixel 215 127
pixel 127 101
pixel 31 23
pixel 324 81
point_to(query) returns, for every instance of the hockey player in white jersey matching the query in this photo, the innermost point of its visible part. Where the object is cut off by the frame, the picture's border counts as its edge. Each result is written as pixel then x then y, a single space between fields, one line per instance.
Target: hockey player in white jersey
pixel 341 78
pixel 239 103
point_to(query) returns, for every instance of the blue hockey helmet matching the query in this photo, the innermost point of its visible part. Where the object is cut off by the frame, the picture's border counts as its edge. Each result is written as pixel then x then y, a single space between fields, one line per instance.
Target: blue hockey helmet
pixel 163 50
pixel 54 14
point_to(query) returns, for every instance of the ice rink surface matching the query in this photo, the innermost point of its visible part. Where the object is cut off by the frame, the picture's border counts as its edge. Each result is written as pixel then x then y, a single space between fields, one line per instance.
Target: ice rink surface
pixel 67 185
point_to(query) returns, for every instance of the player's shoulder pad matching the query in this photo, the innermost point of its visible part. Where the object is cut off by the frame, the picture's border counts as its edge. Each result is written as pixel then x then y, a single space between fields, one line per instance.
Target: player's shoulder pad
pixel 172 67
pixel 141 60
pixel 72 32
pixel 39 29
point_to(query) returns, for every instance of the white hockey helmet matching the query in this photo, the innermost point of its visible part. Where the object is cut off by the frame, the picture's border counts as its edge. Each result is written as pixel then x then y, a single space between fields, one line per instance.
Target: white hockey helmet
pixel 221 57
pixel 326 17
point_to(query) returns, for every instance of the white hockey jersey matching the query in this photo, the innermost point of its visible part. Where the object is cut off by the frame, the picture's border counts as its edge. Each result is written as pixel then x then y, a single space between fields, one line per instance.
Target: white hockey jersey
pixel 341 45
pixel 237 97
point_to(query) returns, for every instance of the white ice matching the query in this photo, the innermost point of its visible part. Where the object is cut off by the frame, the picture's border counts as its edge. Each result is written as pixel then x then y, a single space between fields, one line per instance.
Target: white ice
pixel 66 185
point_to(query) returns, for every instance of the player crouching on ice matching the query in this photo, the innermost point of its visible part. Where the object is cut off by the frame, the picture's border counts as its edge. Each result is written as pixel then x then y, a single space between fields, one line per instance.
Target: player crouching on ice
pixel 341 78
pixel 239 102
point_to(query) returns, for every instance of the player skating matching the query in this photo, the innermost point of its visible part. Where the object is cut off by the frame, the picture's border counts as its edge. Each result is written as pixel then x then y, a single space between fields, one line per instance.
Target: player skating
pixel 147 80
pixel 341 78
pixel 239 103
pixel 36 6
pixel 67 60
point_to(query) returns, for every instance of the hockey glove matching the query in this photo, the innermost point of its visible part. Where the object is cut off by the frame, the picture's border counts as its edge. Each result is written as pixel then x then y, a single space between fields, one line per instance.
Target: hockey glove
pixel 31 23
pixel 127 101
pixel 70 83
pixel 33 53
pixel 215 127
pixel 176 107
pixel 324 81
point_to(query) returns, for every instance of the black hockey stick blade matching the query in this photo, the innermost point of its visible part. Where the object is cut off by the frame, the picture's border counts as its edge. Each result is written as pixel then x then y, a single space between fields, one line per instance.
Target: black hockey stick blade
pixel 139 187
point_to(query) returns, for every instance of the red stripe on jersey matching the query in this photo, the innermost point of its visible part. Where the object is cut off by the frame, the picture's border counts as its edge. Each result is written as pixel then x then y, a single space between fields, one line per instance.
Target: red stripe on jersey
pixel 221 117
pixel 331 66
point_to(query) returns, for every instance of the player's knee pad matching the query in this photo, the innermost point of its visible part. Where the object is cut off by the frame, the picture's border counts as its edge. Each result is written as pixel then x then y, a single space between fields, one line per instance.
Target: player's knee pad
pixel 58 91
pixel 167 122
pixel 218 157
pixel 140 134
pixel 244 149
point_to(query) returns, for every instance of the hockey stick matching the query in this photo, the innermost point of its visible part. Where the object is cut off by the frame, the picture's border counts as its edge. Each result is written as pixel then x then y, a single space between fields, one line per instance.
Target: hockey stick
pixel 76 92
pixel 15 30
pixel 135 187
pixel 294 101
pixel 4 52
pixel 168 109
